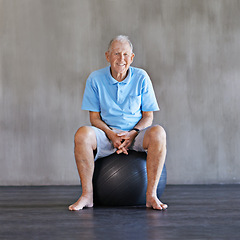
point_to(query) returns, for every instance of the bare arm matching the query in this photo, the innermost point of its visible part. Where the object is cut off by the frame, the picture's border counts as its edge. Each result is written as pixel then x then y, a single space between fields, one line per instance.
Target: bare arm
pixel 145 121
pixel 97 121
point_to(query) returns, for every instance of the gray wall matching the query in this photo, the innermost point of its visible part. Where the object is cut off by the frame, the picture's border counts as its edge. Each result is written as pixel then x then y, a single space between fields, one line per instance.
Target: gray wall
pixel 190 48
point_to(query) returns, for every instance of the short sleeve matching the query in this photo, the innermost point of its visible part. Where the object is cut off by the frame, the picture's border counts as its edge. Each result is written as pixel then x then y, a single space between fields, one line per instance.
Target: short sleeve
pixel 149 101
pixel 91 98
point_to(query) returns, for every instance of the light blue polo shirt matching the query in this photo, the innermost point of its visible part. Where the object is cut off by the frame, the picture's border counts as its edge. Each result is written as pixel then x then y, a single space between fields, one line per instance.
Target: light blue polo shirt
pixel 120 103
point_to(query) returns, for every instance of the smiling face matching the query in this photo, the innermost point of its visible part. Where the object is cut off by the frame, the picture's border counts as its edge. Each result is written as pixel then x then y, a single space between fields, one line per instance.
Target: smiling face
pixel 120 57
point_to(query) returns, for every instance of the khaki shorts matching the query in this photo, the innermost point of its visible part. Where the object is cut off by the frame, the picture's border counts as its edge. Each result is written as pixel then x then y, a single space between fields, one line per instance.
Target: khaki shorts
pixel 105 146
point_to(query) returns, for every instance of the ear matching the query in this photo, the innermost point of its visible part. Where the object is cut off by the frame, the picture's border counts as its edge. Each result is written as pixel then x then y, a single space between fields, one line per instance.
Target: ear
pixel 107 55
pixel 132 57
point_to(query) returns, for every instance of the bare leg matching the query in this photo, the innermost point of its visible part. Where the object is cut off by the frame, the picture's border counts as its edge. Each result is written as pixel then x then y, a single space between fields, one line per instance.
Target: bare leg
pixel 85 143
pixel 155 142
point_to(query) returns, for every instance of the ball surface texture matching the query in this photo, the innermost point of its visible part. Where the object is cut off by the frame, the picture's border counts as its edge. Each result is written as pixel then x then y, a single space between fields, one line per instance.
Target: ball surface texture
pixel 121 180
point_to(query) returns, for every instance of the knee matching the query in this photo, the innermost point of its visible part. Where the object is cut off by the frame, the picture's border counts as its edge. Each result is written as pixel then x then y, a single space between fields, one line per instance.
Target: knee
pixel 158 134
pixel 83 135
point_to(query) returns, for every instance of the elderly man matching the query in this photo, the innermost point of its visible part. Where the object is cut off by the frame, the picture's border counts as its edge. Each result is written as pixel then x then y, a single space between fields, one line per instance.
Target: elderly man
pixel 120 100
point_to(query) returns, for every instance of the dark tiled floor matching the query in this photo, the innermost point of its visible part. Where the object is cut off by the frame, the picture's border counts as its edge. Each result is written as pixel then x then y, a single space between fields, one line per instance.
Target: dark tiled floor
pixel 195 212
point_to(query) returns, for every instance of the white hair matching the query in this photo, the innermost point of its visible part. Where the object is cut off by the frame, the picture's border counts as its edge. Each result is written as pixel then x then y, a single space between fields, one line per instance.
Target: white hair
pixel 120 38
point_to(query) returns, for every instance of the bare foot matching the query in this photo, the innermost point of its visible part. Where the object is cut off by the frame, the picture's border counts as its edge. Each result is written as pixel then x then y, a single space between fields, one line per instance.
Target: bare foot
pixel 83 201
pixel 155 203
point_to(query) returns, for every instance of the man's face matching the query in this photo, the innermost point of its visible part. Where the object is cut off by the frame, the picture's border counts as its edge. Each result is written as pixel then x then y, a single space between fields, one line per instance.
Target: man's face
pixel 120 57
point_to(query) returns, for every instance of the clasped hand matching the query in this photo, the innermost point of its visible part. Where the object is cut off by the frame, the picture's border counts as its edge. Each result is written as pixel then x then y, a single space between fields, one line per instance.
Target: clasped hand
pixel 122 141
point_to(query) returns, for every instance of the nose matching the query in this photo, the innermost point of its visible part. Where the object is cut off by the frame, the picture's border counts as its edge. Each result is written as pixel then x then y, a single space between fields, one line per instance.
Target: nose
pixel 121 56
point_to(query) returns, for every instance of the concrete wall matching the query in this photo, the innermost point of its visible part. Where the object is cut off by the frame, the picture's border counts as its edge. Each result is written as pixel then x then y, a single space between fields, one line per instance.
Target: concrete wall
pixel 190 48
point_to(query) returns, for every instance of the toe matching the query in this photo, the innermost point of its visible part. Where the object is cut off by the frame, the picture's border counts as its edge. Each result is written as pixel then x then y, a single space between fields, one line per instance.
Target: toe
pixel 71 208
pixel 158 207
pixel 164 206
pixel 74 208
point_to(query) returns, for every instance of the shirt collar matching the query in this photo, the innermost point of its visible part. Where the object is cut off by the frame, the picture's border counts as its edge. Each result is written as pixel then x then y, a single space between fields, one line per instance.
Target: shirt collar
pixel 114 81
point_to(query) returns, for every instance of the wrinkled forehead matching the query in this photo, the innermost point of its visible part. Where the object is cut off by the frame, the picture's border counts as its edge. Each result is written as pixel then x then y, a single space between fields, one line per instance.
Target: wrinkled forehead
pixel 120 46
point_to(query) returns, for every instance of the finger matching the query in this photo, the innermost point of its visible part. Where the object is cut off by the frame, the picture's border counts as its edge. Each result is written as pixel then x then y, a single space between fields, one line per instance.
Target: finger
pixel 122 133
pixel 119 151
pixel 123 136
pixel 117 144
pixel 124 150
pixel 124 144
